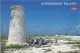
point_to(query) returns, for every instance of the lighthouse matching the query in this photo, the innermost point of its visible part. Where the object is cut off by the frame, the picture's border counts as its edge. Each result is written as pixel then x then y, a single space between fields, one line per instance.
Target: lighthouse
pixel 17 26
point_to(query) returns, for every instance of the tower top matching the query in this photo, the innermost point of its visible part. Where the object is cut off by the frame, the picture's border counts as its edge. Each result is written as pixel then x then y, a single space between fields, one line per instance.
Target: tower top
pixel 17 7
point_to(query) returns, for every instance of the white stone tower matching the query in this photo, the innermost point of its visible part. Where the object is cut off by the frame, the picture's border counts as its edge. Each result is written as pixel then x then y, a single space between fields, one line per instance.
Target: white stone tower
pixel 17 26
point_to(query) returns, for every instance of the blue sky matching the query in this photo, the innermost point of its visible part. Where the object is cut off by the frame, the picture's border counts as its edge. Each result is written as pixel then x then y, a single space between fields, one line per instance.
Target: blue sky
pixel 42 19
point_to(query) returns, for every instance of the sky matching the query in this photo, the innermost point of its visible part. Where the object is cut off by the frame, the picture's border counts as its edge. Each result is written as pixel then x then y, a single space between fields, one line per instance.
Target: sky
pixel 44 19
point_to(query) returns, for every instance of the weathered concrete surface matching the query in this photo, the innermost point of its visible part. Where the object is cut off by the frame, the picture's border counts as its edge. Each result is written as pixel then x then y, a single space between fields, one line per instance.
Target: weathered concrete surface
pixel 17 26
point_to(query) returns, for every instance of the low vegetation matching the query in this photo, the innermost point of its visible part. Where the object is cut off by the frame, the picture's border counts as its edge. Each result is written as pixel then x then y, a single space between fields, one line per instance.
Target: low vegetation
pixel 4 38
pixel 77 42
pixel 49 41
pixel 69 39
pixel 78 45
pixel 32 36
pixel 16 46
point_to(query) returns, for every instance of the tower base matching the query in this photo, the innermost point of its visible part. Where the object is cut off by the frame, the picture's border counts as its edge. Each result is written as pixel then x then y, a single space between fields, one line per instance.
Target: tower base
pixel 8 44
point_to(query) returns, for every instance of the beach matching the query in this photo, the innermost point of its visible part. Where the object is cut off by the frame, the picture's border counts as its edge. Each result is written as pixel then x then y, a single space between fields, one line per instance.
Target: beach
pixel 65 45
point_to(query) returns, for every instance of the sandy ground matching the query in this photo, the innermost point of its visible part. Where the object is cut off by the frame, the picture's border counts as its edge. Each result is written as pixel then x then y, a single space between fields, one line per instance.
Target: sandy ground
pixel 42 49
pixel 49 48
